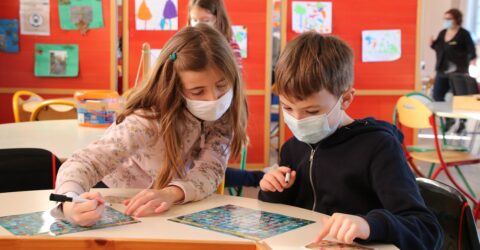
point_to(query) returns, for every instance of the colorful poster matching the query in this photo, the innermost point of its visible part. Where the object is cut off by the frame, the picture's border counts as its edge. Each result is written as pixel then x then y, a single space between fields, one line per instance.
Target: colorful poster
pixel 381 45
pixel 56 60
pixel 156 14
pixel 35 17
pixel 9 35
pixel 240 34
pixel 80 14
pixel 312 16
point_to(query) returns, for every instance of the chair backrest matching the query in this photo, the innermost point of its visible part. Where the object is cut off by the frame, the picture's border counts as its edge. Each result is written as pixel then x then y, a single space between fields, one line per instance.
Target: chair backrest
pixel 54 110
pixel 24 169
pixel 413 113
pixel 453 213
pixel 463 84
pixel 19 114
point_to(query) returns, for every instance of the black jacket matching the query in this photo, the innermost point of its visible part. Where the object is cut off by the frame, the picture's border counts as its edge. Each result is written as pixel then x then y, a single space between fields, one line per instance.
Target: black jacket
pixel 361 170
pixel 460 50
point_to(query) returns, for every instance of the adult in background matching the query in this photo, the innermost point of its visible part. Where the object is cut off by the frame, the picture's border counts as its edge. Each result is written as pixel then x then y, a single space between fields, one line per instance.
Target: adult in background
pixel 455 51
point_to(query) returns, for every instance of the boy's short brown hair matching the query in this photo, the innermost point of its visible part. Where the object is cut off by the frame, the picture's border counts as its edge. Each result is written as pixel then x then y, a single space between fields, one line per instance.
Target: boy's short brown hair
pixel 312 62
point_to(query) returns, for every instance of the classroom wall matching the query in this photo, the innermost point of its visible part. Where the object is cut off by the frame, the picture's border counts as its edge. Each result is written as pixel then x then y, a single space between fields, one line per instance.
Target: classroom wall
pixel 97 68
pixel 378 84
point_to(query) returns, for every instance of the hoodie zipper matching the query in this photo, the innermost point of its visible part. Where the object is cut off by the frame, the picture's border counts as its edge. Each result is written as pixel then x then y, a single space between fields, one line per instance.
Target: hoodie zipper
pixel 312 153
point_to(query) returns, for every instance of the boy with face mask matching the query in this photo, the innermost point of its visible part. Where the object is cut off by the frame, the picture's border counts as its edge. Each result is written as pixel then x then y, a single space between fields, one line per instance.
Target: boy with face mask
pixel 353 170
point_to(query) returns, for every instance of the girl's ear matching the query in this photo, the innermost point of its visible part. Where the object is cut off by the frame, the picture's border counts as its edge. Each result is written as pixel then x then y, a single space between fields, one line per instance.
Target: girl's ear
pixel 347 98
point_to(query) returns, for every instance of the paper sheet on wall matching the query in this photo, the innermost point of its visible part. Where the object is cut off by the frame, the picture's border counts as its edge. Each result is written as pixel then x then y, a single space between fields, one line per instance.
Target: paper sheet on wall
pixel 381 45
pixel 156 14
pixel 35 17
pixel 8 35
pixel 312 16
pixel 79 14
pixel 56 60
pixel 240 34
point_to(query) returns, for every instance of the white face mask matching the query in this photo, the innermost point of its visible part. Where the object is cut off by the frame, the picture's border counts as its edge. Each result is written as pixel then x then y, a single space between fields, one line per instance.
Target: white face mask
pixel 196 22
pixel 447 24
pixel 210 110
pixel 314 128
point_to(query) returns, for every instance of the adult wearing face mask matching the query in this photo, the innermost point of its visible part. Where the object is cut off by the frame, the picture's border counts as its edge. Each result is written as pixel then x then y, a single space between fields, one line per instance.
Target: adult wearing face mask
pixel 455 50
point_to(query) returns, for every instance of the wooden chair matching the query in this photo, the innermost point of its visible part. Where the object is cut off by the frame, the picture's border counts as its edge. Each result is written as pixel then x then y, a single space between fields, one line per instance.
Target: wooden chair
pixel 453 214
pixel 54 110
pixel 19 114
pixel 413 113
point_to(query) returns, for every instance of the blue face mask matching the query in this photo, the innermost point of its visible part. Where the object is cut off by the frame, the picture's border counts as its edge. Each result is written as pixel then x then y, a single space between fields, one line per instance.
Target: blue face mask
pixel 448 24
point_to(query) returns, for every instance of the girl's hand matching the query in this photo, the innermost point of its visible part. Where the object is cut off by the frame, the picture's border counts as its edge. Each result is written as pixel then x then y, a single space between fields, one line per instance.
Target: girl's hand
pixel 345 228
pixel 151 201
pixel 274 180
pixel 85 213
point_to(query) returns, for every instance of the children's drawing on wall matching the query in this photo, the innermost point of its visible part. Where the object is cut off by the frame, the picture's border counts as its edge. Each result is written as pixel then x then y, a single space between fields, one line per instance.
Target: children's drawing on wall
pixel 56 60
pixel 156 14
pixel 35 17
pixel 312 16
pixel 240 33
pixel 80 15
pixel 9 35
pixel 381 45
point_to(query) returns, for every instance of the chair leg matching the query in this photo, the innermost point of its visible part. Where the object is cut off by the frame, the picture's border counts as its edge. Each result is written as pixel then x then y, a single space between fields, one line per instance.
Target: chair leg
pixel 435 174
pixel 465 182
pixel 430 172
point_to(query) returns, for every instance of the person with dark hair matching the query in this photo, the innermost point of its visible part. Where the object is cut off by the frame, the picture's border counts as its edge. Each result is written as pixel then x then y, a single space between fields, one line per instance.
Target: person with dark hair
pixel 455 50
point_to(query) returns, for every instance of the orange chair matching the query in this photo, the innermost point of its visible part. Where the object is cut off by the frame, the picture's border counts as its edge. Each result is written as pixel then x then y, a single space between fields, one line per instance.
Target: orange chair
pixel 413 113
pixel 19 114
pixel 54 110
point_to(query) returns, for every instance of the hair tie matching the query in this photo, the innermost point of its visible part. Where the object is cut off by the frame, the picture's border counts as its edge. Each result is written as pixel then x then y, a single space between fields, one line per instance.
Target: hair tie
pixel 173 56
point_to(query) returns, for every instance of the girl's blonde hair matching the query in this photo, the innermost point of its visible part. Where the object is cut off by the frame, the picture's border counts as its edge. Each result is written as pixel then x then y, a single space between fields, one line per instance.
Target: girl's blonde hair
pixel 216 8
pixel 191 49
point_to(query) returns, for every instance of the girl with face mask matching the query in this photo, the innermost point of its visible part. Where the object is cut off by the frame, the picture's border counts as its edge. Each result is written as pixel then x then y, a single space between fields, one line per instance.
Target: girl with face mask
pixel 455 51
pixel 174 137
pixel 214 13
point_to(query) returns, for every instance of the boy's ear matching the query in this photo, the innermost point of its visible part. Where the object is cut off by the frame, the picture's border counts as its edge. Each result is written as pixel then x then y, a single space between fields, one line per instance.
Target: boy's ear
pixel 347 98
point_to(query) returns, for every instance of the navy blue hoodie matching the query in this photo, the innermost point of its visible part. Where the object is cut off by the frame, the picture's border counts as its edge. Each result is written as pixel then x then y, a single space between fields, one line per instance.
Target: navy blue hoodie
pixel 361 170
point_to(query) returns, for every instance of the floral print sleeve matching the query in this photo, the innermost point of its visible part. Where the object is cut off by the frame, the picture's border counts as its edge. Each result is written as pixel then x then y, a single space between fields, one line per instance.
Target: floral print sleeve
pixel 208 168
pixel 120 142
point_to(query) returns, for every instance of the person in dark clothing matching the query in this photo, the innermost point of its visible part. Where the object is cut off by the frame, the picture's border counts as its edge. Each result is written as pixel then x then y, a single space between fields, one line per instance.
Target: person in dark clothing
pixel 353 170
pixel 455 50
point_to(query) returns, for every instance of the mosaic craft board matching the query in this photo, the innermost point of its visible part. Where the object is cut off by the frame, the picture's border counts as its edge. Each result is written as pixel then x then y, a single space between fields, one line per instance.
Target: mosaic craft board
pixel 242 222
pixel 42 223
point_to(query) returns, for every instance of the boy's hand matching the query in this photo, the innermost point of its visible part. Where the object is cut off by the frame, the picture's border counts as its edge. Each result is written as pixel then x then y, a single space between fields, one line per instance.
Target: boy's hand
pixel 274 180
pixel 151 201
pixel 345 228
pixel 85 213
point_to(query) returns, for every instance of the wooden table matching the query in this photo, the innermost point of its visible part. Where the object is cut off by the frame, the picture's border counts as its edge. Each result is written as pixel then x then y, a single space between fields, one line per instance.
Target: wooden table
pixel 61 137
pixel 445 109
pixel 160 228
